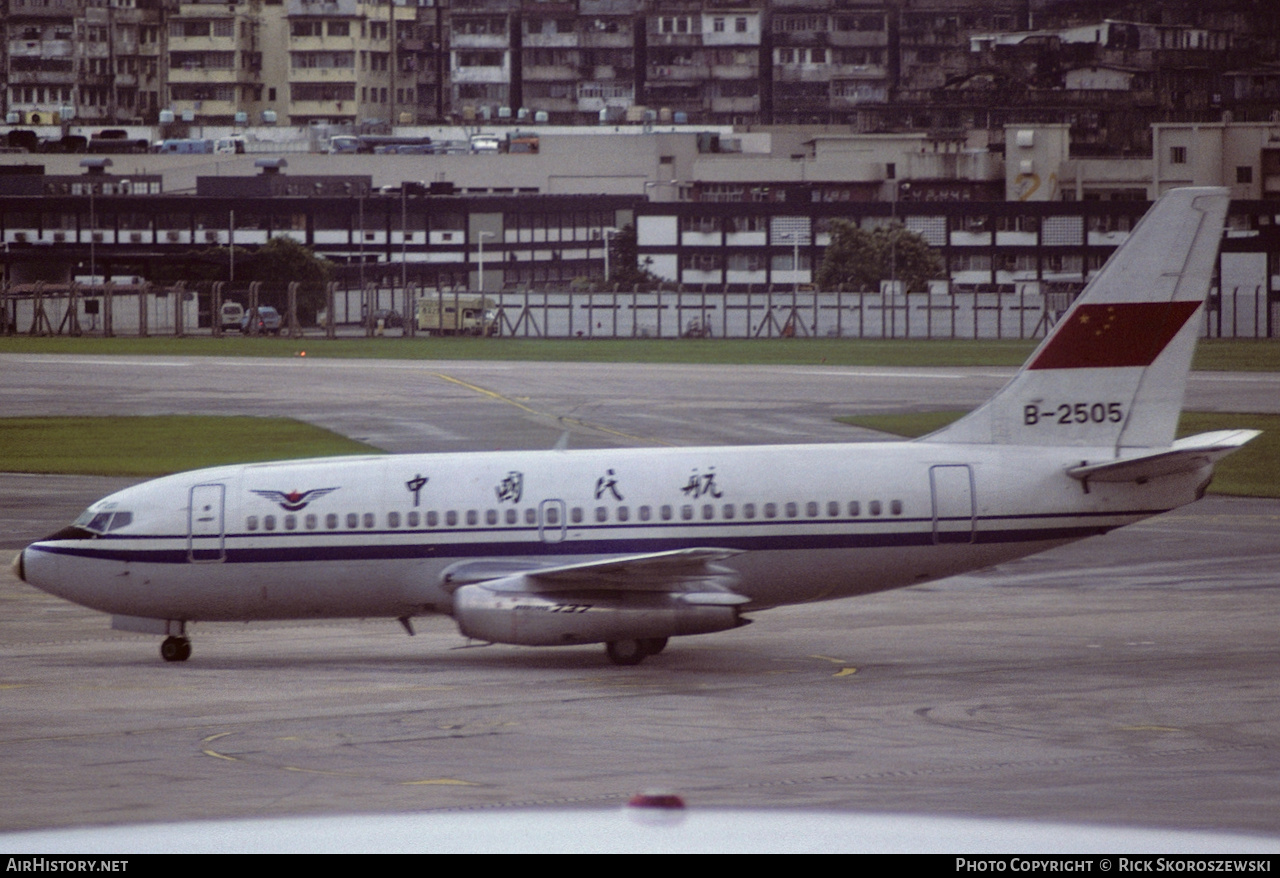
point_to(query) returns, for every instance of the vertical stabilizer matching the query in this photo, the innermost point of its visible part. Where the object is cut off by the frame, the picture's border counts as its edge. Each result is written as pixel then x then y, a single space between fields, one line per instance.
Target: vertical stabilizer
pixel 1113 370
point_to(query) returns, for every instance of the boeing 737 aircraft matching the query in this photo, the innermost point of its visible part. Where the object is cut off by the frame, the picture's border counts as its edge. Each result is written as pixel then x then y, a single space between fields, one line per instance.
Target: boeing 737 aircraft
pixel 629 547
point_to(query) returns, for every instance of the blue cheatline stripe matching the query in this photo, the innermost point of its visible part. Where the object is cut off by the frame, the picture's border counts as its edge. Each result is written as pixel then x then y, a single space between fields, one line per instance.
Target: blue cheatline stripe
pixel 177 554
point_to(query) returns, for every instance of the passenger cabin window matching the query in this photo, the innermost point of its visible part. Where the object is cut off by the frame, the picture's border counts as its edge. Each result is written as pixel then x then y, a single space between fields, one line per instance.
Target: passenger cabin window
pixel 748 510
pixel 433 518
pixel 513 517
pixel 686 513
pixel 393 519
pixel 644 513
pixel 771 510
pixel 792 510
pixel 854 509
pixel 412 519
pixel 553 515
pixel 833 509
pixel 491 516
pixel 473 518
pixel 623 513
pixel 602 514
pixel 811 509
pixel 331 521
pixel 291 522
pixel 451 518
pixel 895 507
pixel 252 522
pixel 369 521
pixel 874 506
pixel 353 521
pixel 311 521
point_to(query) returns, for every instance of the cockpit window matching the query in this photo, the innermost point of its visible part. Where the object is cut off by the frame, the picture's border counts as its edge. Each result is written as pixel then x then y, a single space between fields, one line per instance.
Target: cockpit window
pixel 102 522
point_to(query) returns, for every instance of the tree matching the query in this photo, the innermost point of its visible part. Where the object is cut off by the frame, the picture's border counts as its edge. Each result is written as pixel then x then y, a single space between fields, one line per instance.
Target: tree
pixel 283 260
pixel 861 259
pixel 624 260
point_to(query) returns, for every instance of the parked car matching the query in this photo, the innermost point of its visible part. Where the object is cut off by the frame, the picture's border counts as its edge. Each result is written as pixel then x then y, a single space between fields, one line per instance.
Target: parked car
pixel 232 315
pixel 262 321
pixel 390 319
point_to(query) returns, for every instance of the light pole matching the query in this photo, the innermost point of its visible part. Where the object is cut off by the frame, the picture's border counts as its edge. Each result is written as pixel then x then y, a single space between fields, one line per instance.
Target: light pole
pixel 651 183
pixel 607 233
pixel 480 236
pixel 95 171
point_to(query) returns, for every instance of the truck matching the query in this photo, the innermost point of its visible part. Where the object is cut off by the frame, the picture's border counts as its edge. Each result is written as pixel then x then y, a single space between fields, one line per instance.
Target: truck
pixel 451 314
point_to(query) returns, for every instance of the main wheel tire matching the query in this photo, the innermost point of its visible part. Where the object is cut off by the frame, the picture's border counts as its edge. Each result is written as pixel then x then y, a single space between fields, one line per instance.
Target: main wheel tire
pixel 175 649
pixel 653 645
pixel 626 652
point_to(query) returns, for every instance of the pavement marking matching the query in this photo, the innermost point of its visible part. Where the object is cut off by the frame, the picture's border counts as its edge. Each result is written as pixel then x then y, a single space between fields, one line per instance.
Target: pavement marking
pixel 564 419
pixel 439 781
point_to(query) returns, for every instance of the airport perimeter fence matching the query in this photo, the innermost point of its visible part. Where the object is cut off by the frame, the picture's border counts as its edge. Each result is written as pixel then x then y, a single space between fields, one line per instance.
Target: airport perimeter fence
pixel 178 310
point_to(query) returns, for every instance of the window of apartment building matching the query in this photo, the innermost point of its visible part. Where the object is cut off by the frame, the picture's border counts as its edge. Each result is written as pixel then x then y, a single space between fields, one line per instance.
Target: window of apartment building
pixel 1178 155
pixel 378 30
pixel 479 59
pixel 740 25
pixel 304 28
pixel 1244 174
pixel 224 27
pixel 717 25
pixel 339 28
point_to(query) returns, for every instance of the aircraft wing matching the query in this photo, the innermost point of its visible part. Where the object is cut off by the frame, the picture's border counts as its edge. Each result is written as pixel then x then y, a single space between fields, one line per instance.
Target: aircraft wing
pixel 1185 455
pixel 679 570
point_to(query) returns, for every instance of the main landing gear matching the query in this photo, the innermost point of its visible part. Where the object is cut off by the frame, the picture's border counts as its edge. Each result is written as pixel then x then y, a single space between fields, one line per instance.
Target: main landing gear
pixel 175 649
pixel 633 652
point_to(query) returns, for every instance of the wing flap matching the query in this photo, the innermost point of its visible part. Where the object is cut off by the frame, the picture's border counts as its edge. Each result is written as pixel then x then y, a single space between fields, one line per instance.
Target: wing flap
pixel 1185 455
pixel 693 571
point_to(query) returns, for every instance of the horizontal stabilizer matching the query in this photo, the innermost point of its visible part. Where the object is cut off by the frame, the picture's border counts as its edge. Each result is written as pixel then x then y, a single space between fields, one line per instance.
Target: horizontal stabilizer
pixel 1185 455
pixel 677 570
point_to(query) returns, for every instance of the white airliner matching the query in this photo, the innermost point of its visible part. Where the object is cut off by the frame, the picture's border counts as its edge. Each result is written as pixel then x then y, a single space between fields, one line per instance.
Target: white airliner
pixel 629 547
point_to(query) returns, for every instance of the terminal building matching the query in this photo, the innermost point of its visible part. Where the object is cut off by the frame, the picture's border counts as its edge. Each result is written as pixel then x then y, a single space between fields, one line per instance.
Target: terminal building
pixel 721 210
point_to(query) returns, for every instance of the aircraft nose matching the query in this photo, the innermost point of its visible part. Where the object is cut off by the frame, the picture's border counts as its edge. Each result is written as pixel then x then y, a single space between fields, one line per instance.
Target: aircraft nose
pixel 17 565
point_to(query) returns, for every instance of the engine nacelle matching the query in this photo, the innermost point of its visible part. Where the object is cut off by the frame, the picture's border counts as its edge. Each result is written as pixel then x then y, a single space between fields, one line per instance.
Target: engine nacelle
pixel 565 618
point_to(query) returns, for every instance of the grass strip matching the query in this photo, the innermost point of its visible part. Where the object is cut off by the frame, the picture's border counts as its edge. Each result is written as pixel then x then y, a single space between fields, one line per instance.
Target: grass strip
pixel 1242 355
pixel 154 446
pixel 1253 471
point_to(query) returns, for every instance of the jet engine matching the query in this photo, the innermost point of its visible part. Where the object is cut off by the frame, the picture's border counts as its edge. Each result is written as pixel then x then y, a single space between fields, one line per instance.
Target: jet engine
pixel 505 612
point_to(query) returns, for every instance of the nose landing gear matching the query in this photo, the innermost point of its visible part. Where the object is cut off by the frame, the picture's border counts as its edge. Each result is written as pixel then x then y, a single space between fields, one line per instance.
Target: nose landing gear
pixel 175 649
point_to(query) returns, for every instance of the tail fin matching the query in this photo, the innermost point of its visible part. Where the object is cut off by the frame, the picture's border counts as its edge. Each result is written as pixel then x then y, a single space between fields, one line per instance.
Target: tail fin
pixel 1114 369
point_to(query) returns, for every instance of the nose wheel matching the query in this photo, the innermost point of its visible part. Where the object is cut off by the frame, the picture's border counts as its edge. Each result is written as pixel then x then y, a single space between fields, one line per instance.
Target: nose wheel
pixel 175 649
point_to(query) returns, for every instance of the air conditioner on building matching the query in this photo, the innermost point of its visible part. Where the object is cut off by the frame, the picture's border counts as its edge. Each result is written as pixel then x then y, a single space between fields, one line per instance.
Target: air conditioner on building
pixel 211 236
pixel 172 237
pixel 135 237
pixel 97 237
pixel 59 237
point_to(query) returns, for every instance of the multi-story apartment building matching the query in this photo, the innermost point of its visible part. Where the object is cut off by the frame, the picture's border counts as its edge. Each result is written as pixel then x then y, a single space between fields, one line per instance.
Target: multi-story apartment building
pixel 484 57
pixel 343 62
pixel 216 54
pixel 703 60
pixel 830 59
pixel 43 49
pixel 876 65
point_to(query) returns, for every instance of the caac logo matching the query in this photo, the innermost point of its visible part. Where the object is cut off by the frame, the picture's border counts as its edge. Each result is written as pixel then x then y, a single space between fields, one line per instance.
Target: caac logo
pixel 295 500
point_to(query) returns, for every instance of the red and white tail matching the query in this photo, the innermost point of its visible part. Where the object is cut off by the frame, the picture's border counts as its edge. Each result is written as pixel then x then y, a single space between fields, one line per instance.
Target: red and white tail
pixel 1113 371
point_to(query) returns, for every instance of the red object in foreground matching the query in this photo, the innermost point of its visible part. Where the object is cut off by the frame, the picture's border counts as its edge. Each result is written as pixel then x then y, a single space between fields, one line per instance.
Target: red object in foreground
pixel 656 800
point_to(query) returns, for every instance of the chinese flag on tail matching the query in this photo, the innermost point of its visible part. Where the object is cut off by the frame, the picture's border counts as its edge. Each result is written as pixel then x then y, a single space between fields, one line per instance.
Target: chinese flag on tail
pixel 1114 334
